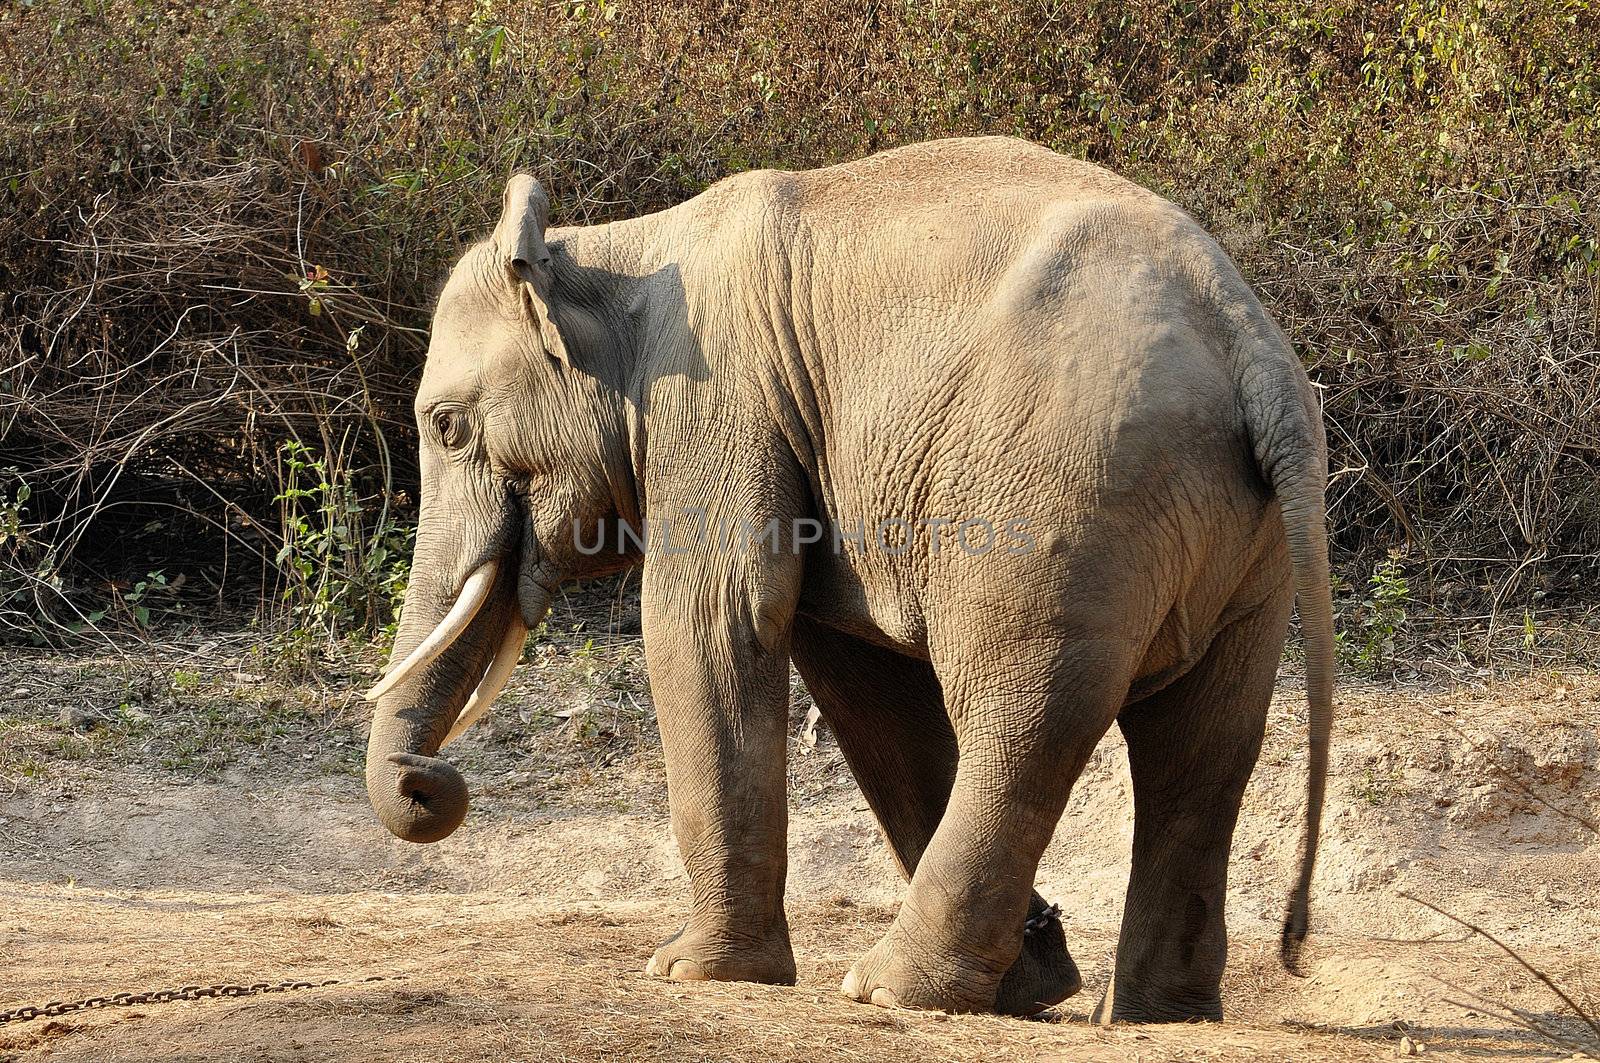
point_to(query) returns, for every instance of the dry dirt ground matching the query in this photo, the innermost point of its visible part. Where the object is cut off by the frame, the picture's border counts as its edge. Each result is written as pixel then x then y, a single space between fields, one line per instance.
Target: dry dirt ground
pixel 171 815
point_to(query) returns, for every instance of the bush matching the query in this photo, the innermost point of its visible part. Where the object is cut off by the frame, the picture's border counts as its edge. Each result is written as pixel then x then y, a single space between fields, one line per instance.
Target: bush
pixel 342 572
pixel 224 225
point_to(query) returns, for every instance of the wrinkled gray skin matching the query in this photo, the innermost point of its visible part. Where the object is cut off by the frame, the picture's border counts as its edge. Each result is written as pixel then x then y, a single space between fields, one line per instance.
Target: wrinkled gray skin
pixel 965 329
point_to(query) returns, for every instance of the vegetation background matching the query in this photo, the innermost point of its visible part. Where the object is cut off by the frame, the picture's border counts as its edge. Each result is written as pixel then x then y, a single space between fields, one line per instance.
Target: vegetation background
pixel 223 224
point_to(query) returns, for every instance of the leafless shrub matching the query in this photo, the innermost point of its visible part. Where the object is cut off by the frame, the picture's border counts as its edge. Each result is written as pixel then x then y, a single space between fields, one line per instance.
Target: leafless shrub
pixel 1587 1042
pixel 224 226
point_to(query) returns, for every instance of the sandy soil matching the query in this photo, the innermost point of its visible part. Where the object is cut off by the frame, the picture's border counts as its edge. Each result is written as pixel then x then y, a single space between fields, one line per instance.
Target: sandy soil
pixel 133 857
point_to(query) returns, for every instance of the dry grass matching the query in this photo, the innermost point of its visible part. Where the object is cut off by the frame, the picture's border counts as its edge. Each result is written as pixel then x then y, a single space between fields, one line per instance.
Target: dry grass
pixel 473 977
pixel 143 862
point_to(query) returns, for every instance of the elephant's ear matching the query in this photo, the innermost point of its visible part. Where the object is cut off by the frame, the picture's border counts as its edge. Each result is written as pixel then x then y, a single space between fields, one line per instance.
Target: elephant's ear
pixel 520 237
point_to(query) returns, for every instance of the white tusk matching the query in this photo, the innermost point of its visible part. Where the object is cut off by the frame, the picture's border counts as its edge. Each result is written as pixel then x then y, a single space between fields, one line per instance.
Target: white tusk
pixel 473 594
pixel 494 680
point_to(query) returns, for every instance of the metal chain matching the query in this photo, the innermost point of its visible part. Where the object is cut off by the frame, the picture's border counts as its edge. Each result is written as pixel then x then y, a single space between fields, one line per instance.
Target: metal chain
pixel 1036 923
pixel 165 996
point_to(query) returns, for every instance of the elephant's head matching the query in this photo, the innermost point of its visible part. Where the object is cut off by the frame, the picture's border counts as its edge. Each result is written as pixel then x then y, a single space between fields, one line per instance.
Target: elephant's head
pixel 523 442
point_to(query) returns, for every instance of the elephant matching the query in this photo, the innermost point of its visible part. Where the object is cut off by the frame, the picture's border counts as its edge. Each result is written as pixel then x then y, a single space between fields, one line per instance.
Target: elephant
pixel 995 447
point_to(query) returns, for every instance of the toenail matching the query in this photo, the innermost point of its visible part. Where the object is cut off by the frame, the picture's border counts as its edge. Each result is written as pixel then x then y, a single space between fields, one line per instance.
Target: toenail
pixel 686 971
pixel 885 998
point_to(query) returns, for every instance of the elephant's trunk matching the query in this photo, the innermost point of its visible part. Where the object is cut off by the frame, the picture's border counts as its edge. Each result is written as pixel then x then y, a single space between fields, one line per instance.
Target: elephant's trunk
pixel 418 796
pixel 469 602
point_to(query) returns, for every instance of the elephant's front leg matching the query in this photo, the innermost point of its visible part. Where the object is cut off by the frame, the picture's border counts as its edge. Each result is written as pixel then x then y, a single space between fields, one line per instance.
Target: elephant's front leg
pixel 887 712
pixel 721 692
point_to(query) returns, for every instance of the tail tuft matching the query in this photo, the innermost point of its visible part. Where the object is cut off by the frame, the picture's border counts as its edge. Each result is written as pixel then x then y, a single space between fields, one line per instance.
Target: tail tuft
pixel 1295 927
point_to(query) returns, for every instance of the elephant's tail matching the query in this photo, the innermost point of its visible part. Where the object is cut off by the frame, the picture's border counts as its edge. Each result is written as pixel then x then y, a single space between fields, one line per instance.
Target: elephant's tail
pixel 1284 420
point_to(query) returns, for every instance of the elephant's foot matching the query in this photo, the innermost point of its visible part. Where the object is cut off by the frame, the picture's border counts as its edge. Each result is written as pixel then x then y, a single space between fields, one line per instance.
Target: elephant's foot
pixel 1201 1004
pixel 897 972
pixel 702 954
pixel 1044 973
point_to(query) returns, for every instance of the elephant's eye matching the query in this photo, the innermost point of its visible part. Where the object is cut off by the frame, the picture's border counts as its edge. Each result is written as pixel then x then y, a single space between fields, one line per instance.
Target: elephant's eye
pixel 452 427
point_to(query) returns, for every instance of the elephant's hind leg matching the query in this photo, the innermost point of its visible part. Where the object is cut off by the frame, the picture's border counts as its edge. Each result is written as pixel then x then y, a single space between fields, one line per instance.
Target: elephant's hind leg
pixel 1191 748
pixel 1025 714
pixel 887 711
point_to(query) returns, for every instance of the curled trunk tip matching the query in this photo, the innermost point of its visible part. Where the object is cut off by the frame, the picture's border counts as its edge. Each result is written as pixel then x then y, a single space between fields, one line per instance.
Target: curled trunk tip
pixel 420 799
